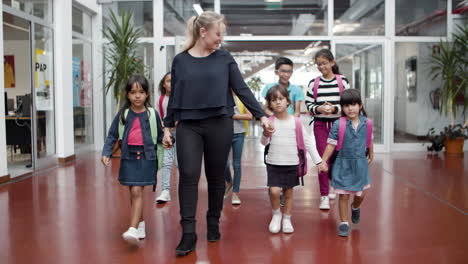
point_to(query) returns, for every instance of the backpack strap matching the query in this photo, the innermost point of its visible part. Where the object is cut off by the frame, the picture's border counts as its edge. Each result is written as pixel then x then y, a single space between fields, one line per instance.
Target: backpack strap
pixel 339 80
pixel 316 85
pixel 153 125
pixel 341 132
pixel 161 109
pixel 369 133
pixel 301 150
pixel 121 125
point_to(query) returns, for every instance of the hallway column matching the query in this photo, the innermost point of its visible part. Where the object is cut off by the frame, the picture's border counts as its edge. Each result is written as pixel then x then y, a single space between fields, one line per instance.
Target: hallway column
pixel 63 80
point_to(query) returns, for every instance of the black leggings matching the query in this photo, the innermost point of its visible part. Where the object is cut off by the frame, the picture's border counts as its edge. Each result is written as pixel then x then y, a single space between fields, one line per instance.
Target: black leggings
pixel 212 139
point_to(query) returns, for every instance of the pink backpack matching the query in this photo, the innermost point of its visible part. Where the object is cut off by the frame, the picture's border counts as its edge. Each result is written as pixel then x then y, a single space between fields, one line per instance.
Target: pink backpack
pixel 301 150
pixel 342 130
pixel 317 83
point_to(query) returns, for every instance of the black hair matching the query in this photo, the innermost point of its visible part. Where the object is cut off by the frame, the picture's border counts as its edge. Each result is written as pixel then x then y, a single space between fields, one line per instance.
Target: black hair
pixel 162 89
pixel 143 82
pixel 283 60
pixel 272 94
pixel 350 97
pixel 327 54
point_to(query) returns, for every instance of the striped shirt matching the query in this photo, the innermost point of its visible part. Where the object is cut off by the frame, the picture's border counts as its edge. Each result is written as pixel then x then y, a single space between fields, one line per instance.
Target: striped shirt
pixel 327 91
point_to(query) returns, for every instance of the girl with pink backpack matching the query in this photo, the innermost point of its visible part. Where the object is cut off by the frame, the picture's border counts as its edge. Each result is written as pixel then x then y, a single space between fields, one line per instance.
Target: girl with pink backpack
pixel 323 102
pixel 285 156
pixel 351 136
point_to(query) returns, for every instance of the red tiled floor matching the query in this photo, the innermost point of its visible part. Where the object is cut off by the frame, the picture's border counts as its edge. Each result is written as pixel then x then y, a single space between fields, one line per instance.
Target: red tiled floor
pixel 416 212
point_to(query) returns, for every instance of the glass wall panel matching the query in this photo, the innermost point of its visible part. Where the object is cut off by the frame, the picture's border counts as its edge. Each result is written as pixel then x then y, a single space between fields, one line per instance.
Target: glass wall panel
pixel 421 18
pixel 359 17
pixel 142 13
pixel 82 92
pixel 38 8
pixel 177 13
pixel 416 93
pixel 289 18
pixel 44 90
pixel 362 64
pixel 82 79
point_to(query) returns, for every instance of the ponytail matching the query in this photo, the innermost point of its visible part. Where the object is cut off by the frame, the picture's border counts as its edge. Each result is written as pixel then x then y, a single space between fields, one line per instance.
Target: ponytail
pixel 335 69
pixel 195 23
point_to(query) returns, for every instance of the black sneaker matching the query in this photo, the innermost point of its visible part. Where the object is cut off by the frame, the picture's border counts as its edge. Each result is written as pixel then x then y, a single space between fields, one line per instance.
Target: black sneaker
pixel 355 215
pixel 187 244
pixel 343 230
pixel 213 234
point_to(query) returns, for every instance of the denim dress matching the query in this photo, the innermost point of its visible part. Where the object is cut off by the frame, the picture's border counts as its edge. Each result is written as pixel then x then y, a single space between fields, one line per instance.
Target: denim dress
pixel 350 170
pixel 138 164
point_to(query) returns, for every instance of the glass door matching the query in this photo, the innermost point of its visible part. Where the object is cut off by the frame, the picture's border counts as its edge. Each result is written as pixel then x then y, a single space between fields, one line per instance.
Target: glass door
pixel 18 117
pixel 43 96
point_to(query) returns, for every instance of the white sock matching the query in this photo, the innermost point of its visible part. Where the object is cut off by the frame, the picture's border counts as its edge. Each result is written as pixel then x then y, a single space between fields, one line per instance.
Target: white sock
pixel 285 216
pixel 346 223
pixel 277 211
pixel 142 224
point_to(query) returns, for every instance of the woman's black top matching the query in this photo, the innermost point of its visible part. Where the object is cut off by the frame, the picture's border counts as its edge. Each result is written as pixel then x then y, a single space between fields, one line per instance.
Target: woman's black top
pixel 201 88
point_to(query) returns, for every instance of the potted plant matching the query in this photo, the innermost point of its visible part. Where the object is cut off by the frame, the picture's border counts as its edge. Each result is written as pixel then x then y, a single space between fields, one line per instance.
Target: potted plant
pixel 451 137
pixel 120 55
pixel 451 64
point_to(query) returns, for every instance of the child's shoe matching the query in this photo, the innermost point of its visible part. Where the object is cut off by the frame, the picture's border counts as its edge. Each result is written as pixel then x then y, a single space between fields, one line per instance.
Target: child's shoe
pixel 235 199
pixel 164 197
pixel 131 236
pixel 287 225
pixel 275 224
pixel 332 194
pixel 343 230
pixel 324 203
pixel 355 215
pixel 141 230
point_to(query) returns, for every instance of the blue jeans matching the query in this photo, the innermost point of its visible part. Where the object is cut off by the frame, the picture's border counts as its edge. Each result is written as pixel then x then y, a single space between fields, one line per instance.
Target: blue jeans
pixel 170 156
pixel 237 145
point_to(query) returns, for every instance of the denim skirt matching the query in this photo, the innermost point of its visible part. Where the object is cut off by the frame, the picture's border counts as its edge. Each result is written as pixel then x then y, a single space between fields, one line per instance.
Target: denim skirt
pixel 137 170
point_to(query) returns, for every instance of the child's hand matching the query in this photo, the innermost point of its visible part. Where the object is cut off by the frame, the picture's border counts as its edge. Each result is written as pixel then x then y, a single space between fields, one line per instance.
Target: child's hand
pixel 370 158
pixel 322 167
pixel 167 139
pixel 105 160
pixel 326 109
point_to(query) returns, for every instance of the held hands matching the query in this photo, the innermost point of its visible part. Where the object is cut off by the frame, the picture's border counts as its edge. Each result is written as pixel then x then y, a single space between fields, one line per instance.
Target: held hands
pixel 167 139
pixel 268 128
pixel 105 160
pixel 326 109
pixel 322 167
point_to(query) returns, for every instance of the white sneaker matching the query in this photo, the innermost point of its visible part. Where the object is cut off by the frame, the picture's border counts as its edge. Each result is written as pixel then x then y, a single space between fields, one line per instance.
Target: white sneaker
pixel 324 203
pixel 235 199
pixel 141 230
pixel 165 196
pixel 275 224
pixel 287 225
pixel 332 194
pixel 131 236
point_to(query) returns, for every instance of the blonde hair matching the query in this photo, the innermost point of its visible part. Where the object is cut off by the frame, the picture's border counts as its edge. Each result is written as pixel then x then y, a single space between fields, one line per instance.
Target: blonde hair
pixel 195 23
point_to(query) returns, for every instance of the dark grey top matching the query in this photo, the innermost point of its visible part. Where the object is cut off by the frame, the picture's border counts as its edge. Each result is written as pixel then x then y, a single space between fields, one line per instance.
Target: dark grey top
pixel 201 88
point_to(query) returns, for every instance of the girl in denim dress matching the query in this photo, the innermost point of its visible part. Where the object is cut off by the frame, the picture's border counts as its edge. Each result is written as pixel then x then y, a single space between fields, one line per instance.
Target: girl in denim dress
pixel 350 174
pixel 138 157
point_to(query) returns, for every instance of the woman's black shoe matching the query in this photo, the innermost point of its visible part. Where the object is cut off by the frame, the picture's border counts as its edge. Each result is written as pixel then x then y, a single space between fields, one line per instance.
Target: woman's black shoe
pixel 213 234
pixel 187 244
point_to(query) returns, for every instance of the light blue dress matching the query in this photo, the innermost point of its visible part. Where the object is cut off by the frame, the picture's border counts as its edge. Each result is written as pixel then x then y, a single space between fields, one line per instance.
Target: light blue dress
pixel 351 171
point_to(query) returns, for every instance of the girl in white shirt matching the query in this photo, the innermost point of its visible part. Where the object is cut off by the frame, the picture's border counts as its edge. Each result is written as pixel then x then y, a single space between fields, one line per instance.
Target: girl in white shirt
pixel 282 160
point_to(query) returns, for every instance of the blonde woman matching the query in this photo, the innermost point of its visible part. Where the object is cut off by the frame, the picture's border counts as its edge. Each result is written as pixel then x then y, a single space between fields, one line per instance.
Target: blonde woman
pixel 201 102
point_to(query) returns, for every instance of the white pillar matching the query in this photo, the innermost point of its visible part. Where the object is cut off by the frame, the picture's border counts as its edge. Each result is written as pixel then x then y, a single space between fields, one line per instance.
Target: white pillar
pixel 3 150
pixel 98 88
pixel 63 79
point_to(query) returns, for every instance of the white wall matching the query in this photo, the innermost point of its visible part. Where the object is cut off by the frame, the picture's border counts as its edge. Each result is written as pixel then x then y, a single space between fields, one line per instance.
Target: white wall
pixel 3 152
